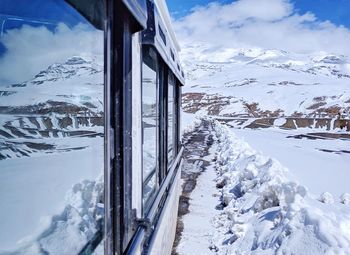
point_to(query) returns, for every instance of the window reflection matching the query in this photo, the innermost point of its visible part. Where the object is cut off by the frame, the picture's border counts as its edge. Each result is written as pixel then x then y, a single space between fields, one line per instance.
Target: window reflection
pixel 51 128
pixel 171 86
pixel 150 121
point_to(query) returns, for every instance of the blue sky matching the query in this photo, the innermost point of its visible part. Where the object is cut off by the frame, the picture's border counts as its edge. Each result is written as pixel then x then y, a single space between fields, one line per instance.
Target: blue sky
pixel 300 26
pixel 179 8
pixel 336 11
pixel 39 10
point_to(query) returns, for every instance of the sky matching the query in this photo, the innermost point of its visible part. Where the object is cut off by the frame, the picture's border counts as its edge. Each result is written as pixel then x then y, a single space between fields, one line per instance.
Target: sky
pixel 336 11
pixel 47 32
pixel 299 26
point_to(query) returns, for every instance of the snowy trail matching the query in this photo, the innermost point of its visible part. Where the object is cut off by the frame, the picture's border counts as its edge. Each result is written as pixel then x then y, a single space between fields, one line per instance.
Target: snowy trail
pixel 260 210
pixel 199 194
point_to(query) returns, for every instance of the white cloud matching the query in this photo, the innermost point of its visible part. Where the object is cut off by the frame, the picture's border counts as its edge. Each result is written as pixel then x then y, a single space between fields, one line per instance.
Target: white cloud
pixel 268 24
pixel 32 49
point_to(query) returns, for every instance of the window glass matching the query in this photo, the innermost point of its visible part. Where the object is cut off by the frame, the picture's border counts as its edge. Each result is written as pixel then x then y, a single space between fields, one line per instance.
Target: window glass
pixel 51 128
pixel 171 115
pixel 149 189
pixel 149 120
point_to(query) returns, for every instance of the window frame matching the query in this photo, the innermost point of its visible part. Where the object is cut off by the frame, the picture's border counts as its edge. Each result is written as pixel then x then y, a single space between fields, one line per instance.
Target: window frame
pixel 163 164
pixel 124 231
pixel 174 119
pixel 148 203
pixel 120 223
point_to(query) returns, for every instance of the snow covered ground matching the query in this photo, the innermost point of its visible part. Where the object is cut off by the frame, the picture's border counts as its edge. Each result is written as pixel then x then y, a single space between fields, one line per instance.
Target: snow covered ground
pixel 267 212
pixel 307 160
pixel 264 82
pixel 261 207
pixel 197 227
pixel 36 190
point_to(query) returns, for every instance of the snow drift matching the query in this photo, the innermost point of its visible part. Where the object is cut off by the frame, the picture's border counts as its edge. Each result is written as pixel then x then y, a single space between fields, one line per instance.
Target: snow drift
pixel 263 212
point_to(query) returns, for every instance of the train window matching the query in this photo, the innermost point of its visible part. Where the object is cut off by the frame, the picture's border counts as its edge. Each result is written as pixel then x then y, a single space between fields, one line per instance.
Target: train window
pixel 162 35
pixel 171 116
pixel 177 117
pixel 172 55
pixel 150 122
pixel 51 128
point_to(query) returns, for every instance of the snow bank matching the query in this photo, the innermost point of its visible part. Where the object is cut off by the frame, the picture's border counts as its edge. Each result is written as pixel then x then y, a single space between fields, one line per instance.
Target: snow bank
pixel 263 212
pixel 189 122
pixel 72 229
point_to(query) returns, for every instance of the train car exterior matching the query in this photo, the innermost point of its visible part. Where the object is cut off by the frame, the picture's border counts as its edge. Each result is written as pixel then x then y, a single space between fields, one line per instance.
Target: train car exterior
pixel 90 124
pixel 150 213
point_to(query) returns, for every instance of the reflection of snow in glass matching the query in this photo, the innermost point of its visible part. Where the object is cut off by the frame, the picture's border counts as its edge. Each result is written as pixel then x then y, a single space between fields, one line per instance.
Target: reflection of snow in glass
pixel 170 117
pixel 150 122
pixel 149 151
pixel 51 139
pixel 149 187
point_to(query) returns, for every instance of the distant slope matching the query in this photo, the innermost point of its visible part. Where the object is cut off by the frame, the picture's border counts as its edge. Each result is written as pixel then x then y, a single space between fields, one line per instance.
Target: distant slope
pixel 65 100
pixel 265 83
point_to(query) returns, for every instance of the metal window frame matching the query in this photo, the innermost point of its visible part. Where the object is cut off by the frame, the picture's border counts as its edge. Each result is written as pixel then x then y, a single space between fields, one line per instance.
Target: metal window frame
pixel 152 36
pixel 174 147
pixel 178 103
pixel 123 231
pixel 163 77
pixel 144 232
pixel 165 171
pixel 147 205
pixel 120 222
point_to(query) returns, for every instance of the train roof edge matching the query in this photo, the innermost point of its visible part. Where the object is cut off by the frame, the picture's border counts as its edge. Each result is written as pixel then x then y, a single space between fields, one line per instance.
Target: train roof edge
pixel 138 9
pixel 164 13
pixel 161 35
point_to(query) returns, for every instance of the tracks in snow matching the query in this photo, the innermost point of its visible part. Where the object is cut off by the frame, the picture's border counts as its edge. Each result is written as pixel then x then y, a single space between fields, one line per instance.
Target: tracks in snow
pixel 198 162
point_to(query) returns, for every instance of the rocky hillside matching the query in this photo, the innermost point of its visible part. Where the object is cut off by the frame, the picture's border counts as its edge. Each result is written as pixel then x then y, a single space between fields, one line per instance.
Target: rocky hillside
pixel 256 83
pixel 63 101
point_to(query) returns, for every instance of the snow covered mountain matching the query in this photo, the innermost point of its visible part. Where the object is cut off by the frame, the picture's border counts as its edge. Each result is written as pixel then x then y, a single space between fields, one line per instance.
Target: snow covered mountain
pixel 265 83
pixel 51 158
pixel 65 100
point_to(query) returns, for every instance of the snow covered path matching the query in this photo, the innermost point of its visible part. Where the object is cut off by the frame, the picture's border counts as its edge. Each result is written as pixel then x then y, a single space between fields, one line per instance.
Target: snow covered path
pixel 199 192
pixel 252 207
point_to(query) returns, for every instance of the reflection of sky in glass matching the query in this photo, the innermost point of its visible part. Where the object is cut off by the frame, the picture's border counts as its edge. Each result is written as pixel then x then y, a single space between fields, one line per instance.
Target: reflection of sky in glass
pixel 30 47
pixel 50 11
pixel 14 15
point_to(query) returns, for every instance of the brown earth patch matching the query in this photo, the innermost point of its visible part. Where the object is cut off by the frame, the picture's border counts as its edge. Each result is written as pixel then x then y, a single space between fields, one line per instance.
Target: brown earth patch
pixel 319 99
pixel 316 105
pixel 252 108
pixel 193 102
pixel 297 114
pixel 261 123
pixel 289 124
pixel 333 110
pixel 304 122
pixel 315 136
